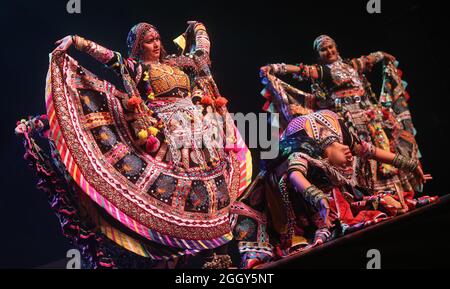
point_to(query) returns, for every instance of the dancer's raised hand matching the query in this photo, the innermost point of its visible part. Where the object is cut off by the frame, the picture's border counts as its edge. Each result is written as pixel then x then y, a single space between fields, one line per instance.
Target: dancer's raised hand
pixel 63 44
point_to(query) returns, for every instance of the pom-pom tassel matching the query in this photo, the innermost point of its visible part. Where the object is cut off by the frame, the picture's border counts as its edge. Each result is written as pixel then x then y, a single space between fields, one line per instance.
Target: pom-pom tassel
pixel 220 101
pixel 152 144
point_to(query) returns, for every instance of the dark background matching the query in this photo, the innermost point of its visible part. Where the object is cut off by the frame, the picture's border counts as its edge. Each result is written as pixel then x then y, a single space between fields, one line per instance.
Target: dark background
pixel 244 36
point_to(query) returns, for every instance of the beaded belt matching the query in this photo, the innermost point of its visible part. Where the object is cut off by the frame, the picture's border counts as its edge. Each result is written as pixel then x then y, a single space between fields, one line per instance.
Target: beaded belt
pixel 348 100
pixel 169 98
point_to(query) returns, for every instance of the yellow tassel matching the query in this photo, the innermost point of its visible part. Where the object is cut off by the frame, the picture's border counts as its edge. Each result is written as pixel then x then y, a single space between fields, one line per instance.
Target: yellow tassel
pixel 153 130
pixel 143 134
pixel 151 96
pixel 146 76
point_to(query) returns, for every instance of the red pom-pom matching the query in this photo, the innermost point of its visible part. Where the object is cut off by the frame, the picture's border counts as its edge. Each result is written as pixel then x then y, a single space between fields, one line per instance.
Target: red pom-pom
pixel 152 144
pixel 206 100
pixel 220 101
pixel 134 102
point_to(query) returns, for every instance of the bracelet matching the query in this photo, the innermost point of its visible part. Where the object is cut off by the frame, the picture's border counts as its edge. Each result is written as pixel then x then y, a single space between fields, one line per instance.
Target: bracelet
pixel 302 74
pixel 81 43
pixel 405 163
pixel 313 195
pixel 76 41
pixel 278 68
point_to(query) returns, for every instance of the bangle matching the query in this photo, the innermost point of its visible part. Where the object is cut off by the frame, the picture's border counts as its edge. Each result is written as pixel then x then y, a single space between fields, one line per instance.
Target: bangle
pixel 283 69
pixel 80 43
pixel 313 196
pixel 405 163
pixel 75 41
pixel 301 75
pixel 280 69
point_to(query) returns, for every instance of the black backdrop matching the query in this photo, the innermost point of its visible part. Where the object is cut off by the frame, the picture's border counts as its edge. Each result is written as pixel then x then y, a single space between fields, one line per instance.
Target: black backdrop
pixel 244 36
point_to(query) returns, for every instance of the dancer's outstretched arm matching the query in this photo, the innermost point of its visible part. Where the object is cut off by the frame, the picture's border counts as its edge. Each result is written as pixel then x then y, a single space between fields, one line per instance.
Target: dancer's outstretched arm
pixel 311 194
pixel 399 161
pixel 365 63
pixel 100 53
pixel 306 72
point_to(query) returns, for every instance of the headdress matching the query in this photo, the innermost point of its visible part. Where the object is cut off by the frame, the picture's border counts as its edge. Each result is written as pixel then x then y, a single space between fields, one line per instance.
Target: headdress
pixel 323 126
pixel 136 38
pixel 321 40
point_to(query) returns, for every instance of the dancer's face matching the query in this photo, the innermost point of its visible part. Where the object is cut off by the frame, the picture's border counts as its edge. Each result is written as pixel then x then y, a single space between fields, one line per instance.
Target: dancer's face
pixel 339 155
pixel 328 53
pixel 151 47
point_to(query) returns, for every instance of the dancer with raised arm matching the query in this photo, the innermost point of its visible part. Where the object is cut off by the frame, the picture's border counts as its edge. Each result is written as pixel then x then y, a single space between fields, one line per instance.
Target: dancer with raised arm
pixel 139 176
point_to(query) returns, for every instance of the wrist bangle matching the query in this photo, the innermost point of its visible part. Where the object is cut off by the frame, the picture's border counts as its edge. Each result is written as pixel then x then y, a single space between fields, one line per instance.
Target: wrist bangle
pixel 405 163
pixel 283 69
pixel 75 41
pixel 278 68
pixel 313 195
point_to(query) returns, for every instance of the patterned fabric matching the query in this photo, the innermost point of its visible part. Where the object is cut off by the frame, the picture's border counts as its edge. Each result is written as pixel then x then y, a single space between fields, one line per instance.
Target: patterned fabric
pixel 342 73
pixel 294 225
pixel 319 125
pixel 124 188
pixel 103 242
pixel 342 88
pixel 249 229
pixel 173 194
pixel 284 99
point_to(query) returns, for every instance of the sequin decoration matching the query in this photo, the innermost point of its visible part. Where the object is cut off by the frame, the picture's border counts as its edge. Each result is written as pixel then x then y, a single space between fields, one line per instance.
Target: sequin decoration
pixel 92 101
pixel 105 136
pixel 198 199
pixel 223 197
pixel 163 189
pixel 131 166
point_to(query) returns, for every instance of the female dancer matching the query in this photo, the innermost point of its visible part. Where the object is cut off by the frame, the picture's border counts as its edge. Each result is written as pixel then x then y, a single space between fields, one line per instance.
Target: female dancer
pixel 340 85
pixel 316 190
pixel 145 168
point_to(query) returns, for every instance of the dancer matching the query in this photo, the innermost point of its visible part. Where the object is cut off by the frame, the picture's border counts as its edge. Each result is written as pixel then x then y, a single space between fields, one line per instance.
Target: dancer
pixel 340 85
pixel 319 188
pixel 141 170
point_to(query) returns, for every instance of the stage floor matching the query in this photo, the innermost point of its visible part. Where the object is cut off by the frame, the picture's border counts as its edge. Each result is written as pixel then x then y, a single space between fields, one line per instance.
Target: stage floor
pixel 417 239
